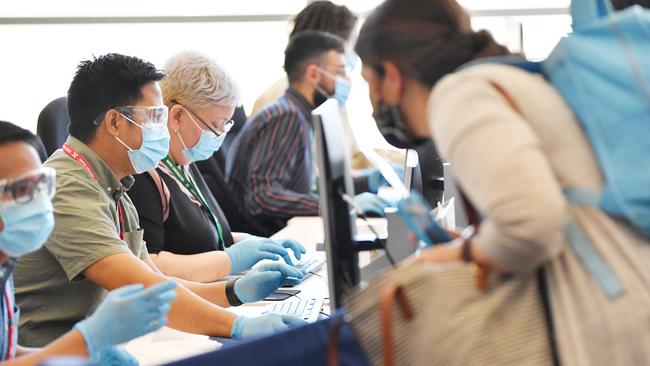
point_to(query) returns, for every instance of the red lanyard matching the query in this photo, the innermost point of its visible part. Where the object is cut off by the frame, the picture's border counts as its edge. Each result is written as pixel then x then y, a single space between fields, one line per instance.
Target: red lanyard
pixel 80 159
pixel 12 326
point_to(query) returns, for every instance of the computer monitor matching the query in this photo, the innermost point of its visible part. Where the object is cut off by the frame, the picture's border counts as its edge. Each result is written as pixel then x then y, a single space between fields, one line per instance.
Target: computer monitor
pixel 452 191
pixel 431 183
pixel 339 221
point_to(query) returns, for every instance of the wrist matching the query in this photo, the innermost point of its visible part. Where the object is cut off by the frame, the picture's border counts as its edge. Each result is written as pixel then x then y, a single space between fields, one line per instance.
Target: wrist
pixel 237 326
pixel 225 264
pixel 91 347
pixel 231 260
pixel 237 237
pixel 466 237
pixel 231 293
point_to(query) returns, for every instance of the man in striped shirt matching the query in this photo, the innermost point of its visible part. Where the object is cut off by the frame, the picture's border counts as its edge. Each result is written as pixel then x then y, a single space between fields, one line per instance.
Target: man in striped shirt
pixel 270 166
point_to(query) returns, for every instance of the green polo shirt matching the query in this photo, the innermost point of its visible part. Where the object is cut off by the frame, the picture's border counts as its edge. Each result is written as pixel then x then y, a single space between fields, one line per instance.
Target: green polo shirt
pixel 51 290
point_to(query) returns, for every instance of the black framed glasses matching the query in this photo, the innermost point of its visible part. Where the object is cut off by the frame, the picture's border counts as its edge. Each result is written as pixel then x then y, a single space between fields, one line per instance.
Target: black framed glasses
pixel 227 124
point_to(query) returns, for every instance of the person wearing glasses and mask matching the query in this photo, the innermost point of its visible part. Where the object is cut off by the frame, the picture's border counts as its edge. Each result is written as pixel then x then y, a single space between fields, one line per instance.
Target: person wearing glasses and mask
pixel 118 127
pixel 186 232
pixel 26 221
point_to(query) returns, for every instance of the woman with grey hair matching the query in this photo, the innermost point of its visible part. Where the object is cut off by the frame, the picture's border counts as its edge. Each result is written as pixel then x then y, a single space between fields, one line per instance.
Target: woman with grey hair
pixel 186 232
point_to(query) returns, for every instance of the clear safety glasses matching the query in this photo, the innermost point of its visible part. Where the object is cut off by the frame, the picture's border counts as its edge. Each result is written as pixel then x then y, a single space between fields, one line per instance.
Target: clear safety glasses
pixel 22 189
pixel 151 116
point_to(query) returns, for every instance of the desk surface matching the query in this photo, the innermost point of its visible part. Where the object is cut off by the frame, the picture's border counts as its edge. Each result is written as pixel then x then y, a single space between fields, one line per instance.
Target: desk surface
pixel 166 345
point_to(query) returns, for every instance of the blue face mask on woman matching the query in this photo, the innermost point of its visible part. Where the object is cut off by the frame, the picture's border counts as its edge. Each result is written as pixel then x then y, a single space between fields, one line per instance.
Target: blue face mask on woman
pixel 207 145
pixel 155 146
pixel 28 217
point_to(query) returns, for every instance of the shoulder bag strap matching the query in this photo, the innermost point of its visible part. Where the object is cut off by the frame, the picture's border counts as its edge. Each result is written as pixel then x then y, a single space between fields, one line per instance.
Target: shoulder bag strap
pixel 163 191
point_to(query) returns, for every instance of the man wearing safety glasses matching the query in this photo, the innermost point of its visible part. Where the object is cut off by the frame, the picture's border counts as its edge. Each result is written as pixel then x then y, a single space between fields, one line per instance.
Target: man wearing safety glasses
pixel 117 128
pixel 26 221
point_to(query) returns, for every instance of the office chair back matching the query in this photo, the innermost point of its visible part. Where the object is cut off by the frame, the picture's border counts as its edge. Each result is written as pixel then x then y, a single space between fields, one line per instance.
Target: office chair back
pixel 52 125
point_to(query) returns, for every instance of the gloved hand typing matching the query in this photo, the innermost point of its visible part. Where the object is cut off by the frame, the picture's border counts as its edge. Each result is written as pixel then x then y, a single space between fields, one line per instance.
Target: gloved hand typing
pixel 245 327
pixel 114 356
pixel 126 313
pixel 252 249
pixel 263 280
pixel 371 203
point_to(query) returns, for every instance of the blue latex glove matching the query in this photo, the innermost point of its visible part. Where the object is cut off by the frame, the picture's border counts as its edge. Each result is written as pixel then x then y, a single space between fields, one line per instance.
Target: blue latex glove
pixel 114 356
pixel 126 313
pixel 245 327
pixel 371 203
pixel 251 249
pixel 416 214
pixel 264 279
pixel 297 249
pixel 376 180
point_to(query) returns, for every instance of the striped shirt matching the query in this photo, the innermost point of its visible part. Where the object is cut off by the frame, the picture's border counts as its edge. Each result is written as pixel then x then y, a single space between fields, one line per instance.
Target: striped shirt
pixel 269 167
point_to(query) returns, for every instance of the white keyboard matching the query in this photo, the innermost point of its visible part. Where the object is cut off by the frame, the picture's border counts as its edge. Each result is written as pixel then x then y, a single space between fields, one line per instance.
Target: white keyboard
pixel 310 264
pixel 307 309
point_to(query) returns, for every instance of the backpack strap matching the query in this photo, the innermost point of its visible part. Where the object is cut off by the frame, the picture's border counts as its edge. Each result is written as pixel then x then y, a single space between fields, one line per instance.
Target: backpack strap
pixel 163 191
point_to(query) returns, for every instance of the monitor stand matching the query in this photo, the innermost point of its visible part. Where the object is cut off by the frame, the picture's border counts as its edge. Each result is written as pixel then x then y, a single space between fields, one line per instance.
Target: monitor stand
pixel 399 243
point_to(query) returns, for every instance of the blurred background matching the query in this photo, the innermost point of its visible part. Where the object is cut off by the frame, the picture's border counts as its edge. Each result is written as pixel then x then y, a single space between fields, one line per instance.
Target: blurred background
pixel 42 41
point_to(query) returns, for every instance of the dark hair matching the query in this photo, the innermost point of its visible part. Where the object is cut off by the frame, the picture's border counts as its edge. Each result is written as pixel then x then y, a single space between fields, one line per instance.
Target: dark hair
pixel 305 47
pixel 106 82
pixel 325 16
pixel 622 4
pixel 10 132
pixel 426 39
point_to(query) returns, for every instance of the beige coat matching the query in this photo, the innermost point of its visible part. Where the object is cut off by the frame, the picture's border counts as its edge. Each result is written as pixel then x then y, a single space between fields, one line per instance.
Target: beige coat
pixel 513 168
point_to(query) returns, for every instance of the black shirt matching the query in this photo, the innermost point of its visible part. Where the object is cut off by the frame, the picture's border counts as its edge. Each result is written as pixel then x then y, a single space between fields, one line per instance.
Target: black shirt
pixel 189 229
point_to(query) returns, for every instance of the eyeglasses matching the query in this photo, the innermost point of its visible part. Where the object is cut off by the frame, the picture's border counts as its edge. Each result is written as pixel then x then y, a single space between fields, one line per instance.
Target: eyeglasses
pixel 340 71
pixel 22 189
pixel 154 116
pixel 227 125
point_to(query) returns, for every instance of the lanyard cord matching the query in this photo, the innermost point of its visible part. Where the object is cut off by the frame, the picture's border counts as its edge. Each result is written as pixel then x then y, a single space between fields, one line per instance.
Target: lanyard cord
pixel 118 202
pixel 188 182
pixel 12 326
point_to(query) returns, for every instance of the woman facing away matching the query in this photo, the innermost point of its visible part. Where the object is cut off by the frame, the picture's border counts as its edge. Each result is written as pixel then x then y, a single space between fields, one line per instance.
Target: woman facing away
pixel 514 145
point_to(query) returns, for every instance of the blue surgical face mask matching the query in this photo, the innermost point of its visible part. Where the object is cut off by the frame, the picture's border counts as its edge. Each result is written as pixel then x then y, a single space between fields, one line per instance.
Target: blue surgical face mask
pixel 207 145
pixel 342 87
pixel 26 225
pixel 155 146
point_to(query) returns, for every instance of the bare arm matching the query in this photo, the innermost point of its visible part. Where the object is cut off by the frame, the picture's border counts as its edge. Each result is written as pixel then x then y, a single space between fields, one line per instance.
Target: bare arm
pixel 71 344
pixel 212 292
pixel 190 312
pixel 238 236
pixel 25 351
pixel 202 267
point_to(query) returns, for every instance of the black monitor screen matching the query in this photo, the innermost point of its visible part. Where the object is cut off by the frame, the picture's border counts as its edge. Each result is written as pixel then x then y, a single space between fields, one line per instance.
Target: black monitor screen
pixel 338 220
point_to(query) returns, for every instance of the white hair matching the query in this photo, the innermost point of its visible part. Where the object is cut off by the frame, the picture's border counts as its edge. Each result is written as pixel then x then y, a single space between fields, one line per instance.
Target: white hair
pixel 196 81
